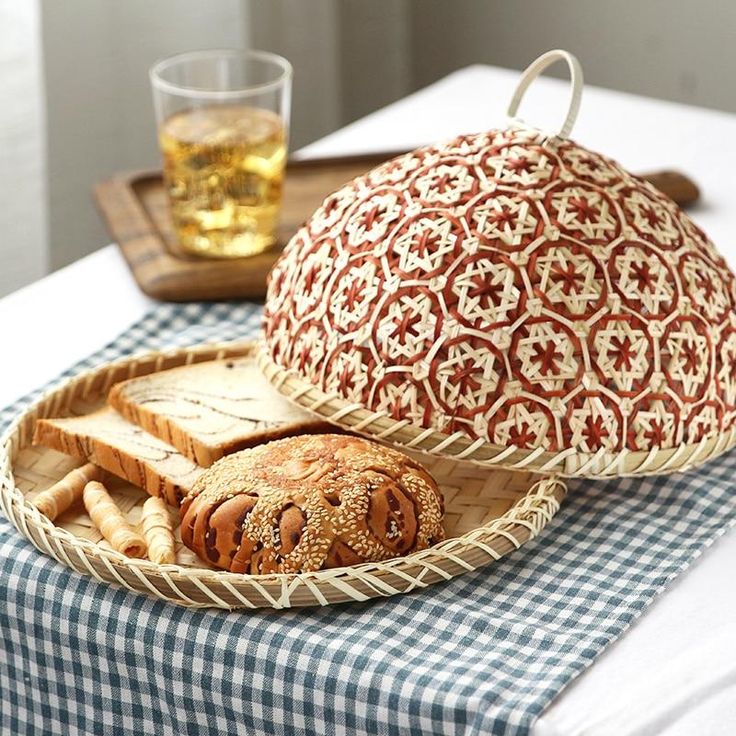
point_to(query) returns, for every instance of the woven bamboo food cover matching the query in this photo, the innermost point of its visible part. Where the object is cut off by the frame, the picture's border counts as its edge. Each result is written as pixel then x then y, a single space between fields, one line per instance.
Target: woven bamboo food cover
pixel 488 513
pixel 512 298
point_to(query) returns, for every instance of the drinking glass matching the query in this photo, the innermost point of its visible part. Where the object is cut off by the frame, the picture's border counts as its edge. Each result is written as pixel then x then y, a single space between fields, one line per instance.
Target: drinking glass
pixel 223 121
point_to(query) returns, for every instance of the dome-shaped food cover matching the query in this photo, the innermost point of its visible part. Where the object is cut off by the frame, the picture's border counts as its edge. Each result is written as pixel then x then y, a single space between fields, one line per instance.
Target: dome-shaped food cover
pixel 511 298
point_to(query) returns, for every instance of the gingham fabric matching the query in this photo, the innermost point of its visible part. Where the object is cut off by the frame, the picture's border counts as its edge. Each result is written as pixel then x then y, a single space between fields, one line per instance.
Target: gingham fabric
pixel 481 654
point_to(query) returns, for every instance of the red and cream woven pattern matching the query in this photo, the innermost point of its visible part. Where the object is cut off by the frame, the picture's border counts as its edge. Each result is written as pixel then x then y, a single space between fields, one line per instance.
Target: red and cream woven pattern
pixel 515 288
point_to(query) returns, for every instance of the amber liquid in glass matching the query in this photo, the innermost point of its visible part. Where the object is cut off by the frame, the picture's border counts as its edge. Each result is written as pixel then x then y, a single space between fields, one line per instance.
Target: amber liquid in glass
pixel 224 169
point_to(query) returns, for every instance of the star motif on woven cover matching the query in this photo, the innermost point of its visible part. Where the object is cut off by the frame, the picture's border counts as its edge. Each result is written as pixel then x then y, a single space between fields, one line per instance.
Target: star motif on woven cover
pixel 515 288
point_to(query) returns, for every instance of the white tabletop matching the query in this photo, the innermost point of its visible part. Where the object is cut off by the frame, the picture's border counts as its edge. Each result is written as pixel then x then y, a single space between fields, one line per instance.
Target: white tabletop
pixel 674 672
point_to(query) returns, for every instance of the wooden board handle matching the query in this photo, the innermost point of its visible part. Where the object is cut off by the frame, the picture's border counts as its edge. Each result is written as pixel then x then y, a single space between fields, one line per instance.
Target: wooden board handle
pixel 675 185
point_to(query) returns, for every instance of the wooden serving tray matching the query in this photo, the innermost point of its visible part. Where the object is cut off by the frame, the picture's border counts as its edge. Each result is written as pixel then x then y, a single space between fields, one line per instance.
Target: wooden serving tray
pixel 135 207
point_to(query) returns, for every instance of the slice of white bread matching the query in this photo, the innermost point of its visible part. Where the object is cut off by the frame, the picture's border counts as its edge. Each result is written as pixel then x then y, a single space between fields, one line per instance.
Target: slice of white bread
pixel 110 441
pixel 207 410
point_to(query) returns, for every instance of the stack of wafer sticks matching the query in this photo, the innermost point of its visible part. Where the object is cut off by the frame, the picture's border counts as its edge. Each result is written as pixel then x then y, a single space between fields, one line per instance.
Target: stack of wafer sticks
pixel 156 536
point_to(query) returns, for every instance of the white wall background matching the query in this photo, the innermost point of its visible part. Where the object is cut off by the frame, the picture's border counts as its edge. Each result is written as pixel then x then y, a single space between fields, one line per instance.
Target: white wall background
pixel 100 115
pixel 350 57
pixel 22 147
pixel 674 49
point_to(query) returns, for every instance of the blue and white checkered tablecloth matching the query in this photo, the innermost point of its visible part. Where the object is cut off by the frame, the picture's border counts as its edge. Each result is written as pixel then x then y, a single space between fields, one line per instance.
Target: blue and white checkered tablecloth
pixel 481 654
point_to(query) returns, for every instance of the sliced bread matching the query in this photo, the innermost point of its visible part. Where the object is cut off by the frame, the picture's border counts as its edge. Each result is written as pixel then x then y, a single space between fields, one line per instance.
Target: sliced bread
pixel 207 410
pixel 110 441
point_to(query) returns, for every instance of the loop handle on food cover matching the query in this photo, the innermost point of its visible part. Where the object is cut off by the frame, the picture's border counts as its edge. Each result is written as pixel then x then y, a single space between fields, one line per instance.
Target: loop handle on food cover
pixel 536 68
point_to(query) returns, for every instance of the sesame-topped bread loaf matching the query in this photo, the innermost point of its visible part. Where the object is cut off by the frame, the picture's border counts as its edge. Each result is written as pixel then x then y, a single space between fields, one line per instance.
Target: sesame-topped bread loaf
pixel 311 502
pixel 207 410
pixel 110 441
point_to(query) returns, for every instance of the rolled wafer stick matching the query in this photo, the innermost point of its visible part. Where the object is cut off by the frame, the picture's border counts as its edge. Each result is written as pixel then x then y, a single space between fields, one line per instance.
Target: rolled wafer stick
pixel 56 500
pixel 158 531
pixel 108 518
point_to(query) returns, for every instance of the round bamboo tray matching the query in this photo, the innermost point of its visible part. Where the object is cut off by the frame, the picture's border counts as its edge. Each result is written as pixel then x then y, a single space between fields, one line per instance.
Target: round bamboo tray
pixel 489 514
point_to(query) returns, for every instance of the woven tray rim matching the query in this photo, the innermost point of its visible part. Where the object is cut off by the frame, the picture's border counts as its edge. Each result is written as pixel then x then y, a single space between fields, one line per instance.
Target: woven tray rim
pixel 567 463
pixel 213 588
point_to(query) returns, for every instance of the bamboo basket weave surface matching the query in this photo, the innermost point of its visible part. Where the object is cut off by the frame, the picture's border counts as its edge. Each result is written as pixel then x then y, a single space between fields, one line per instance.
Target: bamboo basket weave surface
pixel 408 436
pixel 489 513
pixel 512 298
